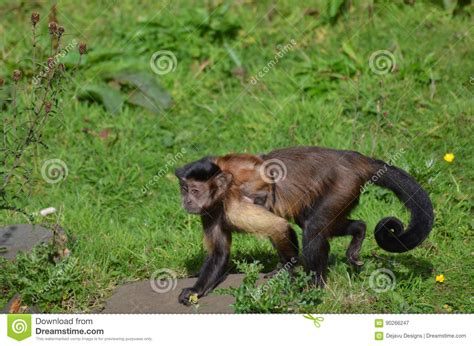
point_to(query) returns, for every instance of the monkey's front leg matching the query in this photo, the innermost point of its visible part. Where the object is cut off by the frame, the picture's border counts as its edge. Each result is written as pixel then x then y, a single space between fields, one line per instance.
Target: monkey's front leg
pixel 212 272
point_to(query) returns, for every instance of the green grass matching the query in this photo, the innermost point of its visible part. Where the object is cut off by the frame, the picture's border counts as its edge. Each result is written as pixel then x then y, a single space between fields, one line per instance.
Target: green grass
pixel 322 92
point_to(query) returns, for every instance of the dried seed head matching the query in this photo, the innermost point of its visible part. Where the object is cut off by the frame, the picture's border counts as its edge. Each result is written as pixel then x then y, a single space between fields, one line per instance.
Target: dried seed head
pixel 60 31
pixel 35 18
pixel 2 82
pixel 51 62
pixel 16 75
pixel 47 107
pixel 82 48
pixel 52 27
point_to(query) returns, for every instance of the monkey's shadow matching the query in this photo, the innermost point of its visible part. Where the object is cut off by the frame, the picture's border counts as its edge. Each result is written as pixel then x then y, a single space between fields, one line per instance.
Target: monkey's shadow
pixel 269 261
pixel 416 266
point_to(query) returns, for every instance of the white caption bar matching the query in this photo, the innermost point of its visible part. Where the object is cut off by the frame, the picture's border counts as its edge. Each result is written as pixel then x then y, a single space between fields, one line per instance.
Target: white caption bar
pixel 236 329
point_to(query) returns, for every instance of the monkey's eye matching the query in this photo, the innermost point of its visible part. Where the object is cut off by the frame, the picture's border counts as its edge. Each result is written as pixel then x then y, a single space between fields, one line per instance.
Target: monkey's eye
pixel 194 191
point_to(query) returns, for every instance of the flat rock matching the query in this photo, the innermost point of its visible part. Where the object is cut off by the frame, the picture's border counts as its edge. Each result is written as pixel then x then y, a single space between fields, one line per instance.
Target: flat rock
pixel 139 297
pixel 15 238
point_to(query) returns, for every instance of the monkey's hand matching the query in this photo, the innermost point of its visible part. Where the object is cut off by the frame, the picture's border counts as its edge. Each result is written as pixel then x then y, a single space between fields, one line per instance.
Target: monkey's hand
pixel 186 294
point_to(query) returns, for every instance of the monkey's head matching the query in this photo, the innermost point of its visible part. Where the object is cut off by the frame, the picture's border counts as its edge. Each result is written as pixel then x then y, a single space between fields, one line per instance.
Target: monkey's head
pixel 203 185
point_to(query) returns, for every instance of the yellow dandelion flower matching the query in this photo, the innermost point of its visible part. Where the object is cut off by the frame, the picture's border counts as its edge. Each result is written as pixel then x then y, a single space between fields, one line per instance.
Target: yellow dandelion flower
pixel 448 157
pixel 448 308
pixel 193 298
pixel 440 278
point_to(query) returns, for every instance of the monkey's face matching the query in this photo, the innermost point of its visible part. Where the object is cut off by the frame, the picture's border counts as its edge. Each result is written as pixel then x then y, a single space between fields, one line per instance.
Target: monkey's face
pixel 196 196
pixel 203 185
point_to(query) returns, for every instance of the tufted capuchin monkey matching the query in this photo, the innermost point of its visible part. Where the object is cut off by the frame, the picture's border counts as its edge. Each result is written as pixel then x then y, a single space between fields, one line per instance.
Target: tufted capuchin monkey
pixel 315 187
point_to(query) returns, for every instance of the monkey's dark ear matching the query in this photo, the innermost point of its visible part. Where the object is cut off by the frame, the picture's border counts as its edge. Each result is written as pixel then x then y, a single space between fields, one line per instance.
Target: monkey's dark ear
pixel 223 180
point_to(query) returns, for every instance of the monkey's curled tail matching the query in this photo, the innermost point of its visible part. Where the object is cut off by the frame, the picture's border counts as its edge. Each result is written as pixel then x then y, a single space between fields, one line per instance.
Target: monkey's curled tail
pixel 389 232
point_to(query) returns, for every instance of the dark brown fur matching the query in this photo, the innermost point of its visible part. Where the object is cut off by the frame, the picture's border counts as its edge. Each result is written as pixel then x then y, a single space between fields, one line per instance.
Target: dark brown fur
pixel 314 172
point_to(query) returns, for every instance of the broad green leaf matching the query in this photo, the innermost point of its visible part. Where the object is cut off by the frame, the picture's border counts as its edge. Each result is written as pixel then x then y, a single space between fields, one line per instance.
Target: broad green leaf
pixel 110 98
pixel 138 98
pixel 149 93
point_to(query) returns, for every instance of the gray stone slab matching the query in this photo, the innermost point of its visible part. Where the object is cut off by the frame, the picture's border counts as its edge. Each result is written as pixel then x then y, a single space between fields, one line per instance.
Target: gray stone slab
pixel 139 297
pixel 15 238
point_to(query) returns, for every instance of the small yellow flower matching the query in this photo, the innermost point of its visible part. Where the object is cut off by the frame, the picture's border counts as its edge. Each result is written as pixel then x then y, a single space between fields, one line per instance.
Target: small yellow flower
pixel 448 308
pixel 448 157
pixel 440 278
pixel 193 298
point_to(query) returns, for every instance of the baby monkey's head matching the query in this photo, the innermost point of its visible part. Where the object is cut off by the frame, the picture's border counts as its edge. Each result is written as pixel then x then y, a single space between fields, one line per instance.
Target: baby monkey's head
pixel 203 185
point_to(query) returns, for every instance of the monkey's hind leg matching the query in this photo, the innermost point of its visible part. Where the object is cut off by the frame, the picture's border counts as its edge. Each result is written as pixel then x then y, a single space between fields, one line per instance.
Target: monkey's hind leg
pixel 317 224
pixel 286 244
pixel 356 229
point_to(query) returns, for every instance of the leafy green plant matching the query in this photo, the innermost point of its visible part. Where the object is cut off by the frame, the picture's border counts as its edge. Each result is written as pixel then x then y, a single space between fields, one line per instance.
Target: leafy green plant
pixel 43 283
pixel 280 294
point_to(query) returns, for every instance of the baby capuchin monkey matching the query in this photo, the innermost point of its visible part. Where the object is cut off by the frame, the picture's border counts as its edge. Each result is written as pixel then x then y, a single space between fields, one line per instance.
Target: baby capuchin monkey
pixel 247 205
pixel 318 190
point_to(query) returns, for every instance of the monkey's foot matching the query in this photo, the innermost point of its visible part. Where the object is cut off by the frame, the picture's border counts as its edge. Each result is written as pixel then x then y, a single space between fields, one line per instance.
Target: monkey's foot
pixel 355 262
pixel 354 259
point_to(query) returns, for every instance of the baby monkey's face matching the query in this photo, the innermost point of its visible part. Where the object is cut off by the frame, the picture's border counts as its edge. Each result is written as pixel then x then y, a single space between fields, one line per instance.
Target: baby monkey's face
pixel 195 196
pixel 255 192
pixel 199 197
